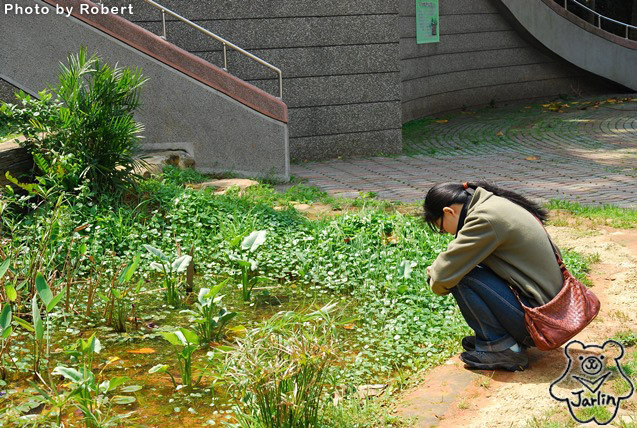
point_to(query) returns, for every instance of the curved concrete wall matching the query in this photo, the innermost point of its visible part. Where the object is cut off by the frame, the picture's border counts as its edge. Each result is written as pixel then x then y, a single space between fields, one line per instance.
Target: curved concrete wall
pixel 178 111
pixel 340 61
pixel 577 41
pixel 481 57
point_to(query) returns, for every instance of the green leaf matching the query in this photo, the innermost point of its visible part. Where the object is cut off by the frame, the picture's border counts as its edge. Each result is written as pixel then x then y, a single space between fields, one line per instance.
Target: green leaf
pixel 123 399
pixel 129 271
pixel 181 263
pixel 159 267
pixel 117 381
pixel 69 373
pixel 172 338
pixel 55 230
pixel 254 240
pixel 92 344
pixel 203 296
pixel 55 301
pixel 156 252
pixel 227 317
pixel 405 269
pixel 4 267
pixel 11 293
pixel 190 336
pixel 38 327
pixel 31 188
pixel 5 317
pixel 7 332
pixel 235 242
pixel 43 289
pixel 159 368
pixel 22 323
pixel 131 388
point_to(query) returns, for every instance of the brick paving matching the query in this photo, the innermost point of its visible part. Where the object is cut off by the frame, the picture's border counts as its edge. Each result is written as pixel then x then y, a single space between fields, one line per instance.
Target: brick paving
pixel 586 152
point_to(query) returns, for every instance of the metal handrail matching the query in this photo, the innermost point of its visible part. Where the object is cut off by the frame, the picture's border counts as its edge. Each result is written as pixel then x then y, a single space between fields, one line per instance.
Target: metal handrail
pixel 600 16
pixel 225 43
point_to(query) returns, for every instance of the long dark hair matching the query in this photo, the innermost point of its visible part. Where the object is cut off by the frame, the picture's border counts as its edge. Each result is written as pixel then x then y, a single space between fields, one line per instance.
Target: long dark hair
pixel 446 194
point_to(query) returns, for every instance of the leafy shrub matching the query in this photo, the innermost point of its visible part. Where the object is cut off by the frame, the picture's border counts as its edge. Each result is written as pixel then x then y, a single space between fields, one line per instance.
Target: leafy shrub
pixel 86 133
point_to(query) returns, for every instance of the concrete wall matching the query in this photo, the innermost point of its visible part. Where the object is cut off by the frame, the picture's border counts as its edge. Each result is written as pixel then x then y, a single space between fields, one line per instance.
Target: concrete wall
pixel 178 111
pixel 340 61
pixel 481 57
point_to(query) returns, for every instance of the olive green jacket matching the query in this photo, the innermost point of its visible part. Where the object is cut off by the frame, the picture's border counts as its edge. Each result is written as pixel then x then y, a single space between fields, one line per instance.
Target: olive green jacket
pixel 508 239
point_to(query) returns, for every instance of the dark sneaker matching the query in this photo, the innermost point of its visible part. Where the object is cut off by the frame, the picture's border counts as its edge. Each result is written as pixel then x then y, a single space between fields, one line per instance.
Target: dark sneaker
pixel 469 343
pixel 503 360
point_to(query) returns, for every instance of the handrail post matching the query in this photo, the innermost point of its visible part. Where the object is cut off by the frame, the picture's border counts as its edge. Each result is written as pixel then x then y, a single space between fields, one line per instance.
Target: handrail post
pixel 280 85
pixel 163 21
pixel 225 57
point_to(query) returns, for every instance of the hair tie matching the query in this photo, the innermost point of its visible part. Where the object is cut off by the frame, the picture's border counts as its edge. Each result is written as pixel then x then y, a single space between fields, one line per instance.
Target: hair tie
pixel 465 185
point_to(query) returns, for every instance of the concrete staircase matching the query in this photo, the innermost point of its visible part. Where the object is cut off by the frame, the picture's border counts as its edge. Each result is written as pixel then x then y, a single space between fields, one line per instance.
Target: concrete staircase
pixel 222 122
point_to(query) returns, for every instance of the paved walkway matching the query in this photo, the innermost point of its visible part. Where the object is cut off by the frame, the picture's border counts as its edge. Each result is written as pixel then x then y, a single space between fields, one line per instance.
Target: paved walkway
pixel 582 151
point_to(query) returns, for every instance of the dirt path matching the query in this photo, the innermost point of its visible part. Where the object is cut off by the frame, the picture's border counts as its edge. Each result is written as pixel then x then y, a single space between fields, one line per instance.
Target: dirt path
pixel 452 396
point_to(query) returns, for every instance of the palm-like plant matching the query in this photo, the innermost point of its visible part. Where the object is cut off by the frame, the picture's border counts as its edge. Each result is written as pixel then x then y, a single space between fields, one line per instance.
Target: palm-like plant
pixel 83 131
pixel 97 118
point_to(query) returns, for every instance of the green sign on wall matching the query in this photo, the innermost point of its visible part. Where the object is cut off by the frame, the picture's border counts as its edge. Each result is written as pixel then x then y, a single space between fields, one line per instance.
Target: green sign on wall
pixel 427 19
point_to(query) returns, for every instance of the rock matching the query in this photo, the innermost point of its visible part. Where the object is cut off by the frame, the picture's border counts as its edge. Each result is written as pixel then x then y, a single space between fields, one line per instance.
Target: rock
pixel 375 390
pixel 155 161
pixel 14 159
pixel 301 207
pixel 223 185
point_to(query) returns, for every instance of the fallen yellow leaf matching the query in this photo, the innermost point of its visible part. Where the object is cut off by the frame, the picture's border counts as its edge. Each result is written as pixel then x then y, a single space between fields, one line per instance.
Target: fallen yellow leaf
pixel 142 351
pixel 442 121
pixel 500 134
pixel 532 158
pixel 349 326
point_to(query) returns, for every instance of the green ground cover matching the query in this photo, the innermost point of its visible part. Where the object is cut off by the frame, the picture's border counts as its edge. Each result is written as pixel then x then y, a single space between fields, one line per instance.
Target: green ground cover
pixel 397 325
pixel 353 259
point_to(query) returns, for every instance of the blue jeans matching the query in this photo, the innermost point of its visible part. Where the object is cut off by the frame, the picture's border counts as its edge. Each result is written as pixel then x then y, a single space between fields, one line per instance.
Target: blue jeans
pixel 492 310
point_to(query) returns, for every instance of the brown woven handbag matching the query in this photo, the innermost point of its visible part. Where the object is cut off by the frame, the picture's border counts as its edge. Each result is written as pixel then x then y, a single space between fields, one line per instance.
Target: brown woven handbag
pixel 573 308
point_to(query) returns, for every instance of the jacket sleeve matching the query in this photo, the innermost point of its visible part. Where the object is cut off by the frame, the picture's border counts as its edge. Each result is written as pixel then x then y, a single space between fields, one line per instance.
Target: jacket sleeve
pixel 475 242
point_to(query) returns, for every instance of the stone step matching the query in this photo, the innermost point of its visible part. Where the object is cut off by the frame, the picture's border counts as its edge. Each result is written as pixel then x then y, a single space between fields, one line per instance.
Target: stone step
pixel 14 159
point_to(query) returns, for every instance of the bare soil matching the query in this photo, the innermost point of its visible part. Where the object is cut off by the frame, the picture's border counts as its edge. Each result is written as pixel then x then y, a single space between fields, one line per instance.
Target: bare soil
pixel 522 399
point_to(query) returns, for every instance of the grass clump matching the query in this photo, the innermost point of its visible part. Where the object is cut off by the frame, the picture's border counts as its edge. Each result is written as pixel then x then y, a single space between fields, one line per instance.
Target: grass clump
pixel 607 214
